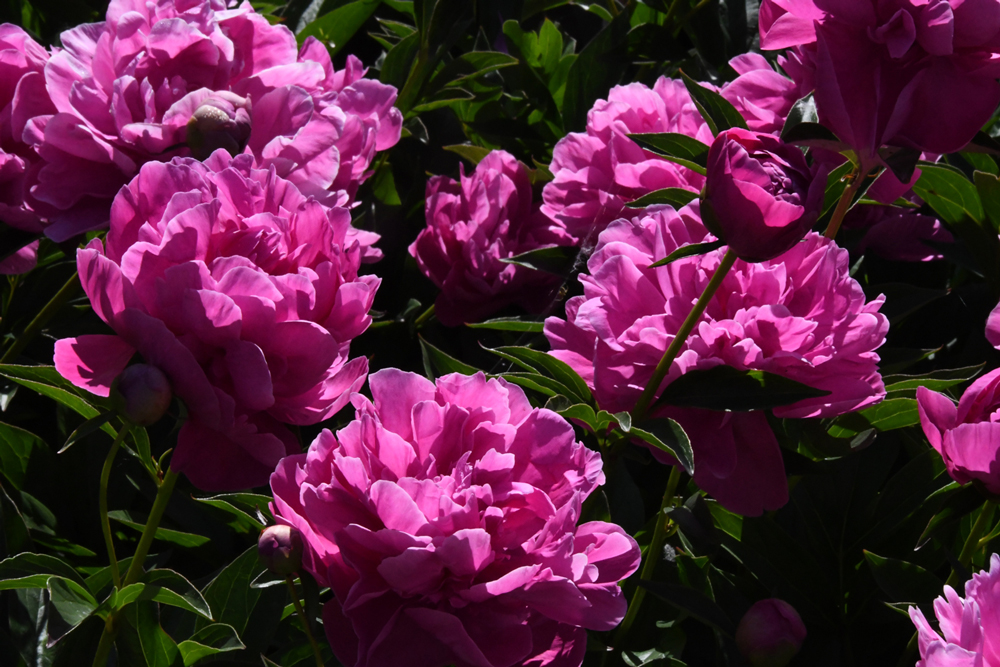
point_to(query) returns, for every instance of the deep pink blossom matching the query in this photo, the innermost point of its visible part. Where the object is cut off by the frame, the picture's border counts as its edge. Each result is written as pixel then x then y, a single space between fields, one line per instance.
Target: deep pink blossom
pixel 967 436
pixel 596 172
pixel 914 73
pixel 444 518
pixel 471 226
pixel 800 315
pixel 762 96
pixel 970 626
pixel 244 292
pixel 124 90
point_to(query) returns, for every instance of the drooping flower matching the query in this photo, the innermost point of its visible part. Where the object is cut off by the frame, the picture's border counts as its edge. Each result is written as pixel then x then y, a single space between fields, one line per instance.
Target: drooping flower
pixel 22 95
pixel 760 196
pixel 444 519
pixel 967 436
pixel 125 89
pixel 244 292
pixel 799 315
pixel 596 172
pixel 471 226
pixel 770 634
pixel 887 72
pixel 970 626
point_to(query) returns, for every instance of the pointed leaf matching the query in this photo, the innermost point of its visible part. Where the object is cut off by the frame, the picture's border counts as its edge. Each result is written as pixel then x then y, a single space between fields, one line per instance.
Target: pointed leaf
pixel 16 446
pixel 438 363
pixel 715 109
pixel 676 197
pixel 726 388
pixel 210 640
pixel 509 324
pixel 689 250
pixel 667 436
pixel 903 581
pixel 137 520
pixel 680 148
pixel 545 364
pixel 557 260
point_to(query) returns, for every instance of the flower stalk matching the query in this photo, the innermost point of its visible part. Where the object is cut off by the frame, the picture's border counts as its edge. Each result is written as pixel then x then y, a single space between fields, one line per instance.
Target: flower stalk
pixel 103 502
pixel 305 621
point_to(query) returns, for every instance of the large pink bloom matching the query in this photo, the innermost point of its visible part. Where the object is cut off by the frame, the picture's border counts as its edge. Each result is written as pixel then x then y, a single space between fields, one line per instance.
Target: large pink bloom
pixel 124 90
pixel 967 436
pixel 799 315
pixel 762 96
pixel 22 85
pixel 239 288
pixel 913 73
pixel 970 627
pixel 471 226
pixel 444 519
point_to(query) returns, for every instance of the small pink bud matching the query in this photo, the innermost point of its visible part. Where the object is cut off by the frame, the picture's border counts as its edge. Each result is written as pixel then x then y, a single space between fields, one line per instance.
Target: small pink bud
pixel 142 394
pixel 219 123
pixel 280 549
pixel 770 633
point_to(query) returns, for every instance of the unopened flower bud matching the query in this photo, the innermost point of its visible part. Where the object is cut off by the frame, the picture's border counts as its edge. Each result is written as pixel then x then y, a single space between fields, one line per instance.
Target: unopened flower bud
pixel 142 394
pixel 770 633
pixel 219 123
pixel 280 549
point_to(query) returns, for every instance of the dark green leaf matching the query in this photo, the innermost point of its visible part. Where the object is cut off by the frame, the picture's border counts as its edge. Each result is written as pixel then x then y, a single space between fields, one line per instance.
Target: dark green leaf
pixel 988 187
pixel 715 109
pixel 336 28
pixel 726 388
pixel 230 597
pixel 545 364
pixel 803 111
pixel 142 640
pixel 668 436
pixel 508 324
pixel 949 193
pixel 688 250
pixel 691 602
pixel 16 446
pixel 936 380
pixel 982 163
pixel 676 197
pixel 471 153
pixel 962 501
pixel 557 260
pixel 537 382
pixel 886 416
pixel 438 363
pixel 46 381
pixel 243 520
pixel 901 161
pixel 399 61
pixel 210 640
pixel 470 66
pixel 137 520
pixel 72 601
pixel 597 68
pixel 171 588
pixel 680 148
pixel 902 581
pixel 36 568
pixel 86 428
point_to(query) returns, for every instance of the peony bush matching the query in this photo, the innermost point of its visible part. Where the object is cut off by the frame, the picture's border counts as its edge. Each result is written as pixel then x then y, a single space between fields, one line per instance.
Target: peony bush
pixel 541 334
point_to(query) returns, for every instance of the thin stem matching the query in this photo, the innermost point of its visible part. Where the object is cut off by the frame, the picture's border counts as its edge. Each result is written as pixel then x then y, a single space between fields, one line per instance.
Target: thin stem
pixel 103 499
pixel 149 532
pixel 662 368
pixel 844 205
pixel 65 293
pixel 305 621
pixel 653 555
pixel 671 12
pixel 107 641
pixel 972 543
pixel 424 316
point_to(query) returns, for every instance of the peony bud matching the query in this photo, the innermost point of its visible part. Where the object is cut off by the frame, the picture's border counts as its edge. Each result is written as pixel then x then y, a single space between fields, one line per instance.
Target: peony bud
pixel 760 196
pixel 219 123
pixel 141 394
pixel 280 549
pixel 770 633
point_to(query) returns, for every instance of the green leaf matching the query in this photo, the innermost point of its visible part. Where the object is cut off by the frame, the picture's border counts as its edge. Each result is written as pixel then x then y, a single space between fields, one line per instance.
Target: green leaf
pixel 509 324
pixel 949 193
pixel 676 197
pixel 547 365
pixel 73 602
pixel 726 388
pixel 399 61
pixel 142 640
pixel 693 603
pixel 137 520
pixel 888 415
pixel 438 363
pixel 169 587
pixel 470 66
pixel 210 640
pixel 715 109
pixel 537 382
pixel 46 381
pixel 555 259
pixel 596 421
pixel 961 501
pixel 668 436
pixel 982 163
pixel 597 68
pixel 230 597
pixel 988 187
pixel 16 446
pixel 903 581
pixel 33 570
pixel 473 154
pixel 680 148
pixel 336 28
pixel 86 428
pixel 244 518
pixel 935 380
pixel 688 250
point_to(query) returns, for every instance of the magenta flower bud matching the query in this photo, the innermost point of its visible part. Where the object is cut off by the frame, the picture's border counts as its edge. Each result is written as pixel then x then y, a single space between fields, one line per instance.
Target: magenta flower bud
pixel 220 122
pixel 760 196
pixel 142 394
pixel 280 549
pixel 770 633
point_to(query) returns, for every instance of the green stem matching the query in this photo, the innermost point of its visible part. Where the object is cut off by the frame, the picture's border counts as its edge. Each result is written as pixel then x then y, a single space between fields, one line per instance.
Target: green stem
pixel 424 316
pixel 149 532
pixel 653 555
pixel 612 8
pixel 103 500
pixel 305 621
pixel 844 205
pixel 972 543
pixel 107 641
pixel 662 368
pixel 65 293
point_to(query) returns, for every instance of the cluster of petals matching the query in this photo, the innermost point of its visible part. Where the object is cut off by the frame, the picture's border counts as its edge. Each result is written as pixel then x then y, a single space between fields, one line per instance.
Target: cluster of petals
pixel 970 626
pixel 886 72
pixel 800 316
pixel 444 518
pixel 474 224
pixel 22 62
pixel 244 292
pixel 967 435
pixel 123 90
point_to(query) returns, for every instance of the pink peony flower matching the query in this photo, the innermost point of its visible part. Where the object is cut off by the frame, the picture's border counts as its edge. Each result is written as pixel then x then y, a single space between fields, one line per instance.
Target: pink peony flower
pixel 968 436
pixel 800 315
pixel 244 292
pixel 899 234
pixel 22 85
pixel 887 72
pixel 970 627
pixel 444 519
pixel 760 196
pixel 993 327
pixel 596 172
pixel 762 96
pixel 124 91
pixel 471 226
